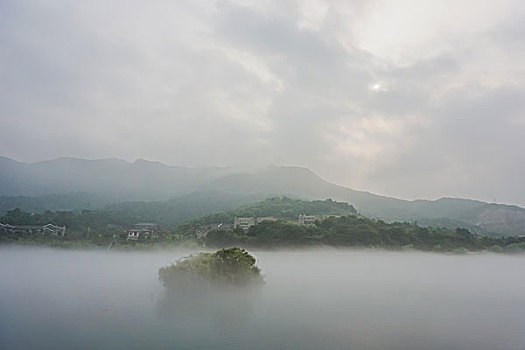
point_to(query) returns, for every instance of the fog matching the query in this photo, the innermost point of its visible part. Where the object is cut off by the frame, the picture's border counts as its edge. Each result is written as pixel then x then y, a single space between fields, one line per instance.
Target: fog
pixel 333 299
pixel 382 96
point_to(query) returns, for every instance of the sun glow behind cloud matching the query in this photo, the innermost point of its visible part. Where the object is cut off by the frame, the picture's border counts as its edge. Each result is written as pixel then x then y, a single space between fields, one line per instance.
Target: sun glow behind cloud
pixel 398 92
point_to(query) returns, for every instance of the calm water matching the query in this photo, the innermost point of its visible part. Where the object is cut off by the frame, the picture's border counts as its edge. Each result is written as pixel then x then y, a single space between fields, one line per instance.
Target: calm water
pixel 61 299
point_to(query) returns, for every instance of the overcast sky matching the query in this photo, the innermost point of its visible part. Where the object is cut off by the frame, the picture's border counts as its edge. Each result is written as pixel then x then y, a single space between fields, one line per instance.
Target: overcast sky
pixel 408 98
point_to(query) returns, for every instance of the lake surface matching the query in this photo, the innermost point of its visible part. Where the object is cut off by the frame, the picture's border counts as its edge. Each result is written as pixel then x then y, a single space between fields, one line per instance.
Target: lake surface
pixel 324 299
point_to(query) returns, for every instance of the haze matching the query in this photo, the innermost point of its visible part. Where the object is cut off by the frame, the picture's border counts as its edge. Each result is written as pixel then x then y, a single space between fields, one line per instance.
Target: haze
pixel 413 99
pixel 336 299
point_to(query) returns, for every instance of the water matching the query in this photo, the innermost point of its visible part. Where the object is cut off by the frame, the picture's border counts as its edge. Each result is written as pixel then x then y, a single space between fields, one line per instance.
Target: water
pixel 330 299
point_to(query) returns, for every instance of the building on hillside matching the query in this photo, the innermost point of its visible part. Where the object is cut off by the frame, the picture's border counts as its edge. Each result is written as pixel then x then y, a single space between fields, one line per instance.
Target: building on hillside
pixel 333 216
pixel 143 230
pixel 247 222
pixel 6 227
pixel 54 230
pixel 307 219
pixel 265 218
pixel 134 235
pixel 147 226
pixel 45 230
pixel 244 223
pixel 203 230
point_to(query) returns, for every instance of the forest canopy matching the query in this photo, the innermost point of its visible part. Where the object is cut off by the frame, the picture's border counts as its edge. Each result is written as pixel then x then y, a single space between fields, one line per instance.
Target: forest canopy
pixel 231 266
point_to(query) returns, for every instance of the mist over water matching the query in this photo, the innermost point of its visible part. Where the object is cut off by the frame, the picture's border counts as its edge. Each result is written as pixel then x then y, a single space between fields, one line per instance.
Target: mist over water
pixel 334 299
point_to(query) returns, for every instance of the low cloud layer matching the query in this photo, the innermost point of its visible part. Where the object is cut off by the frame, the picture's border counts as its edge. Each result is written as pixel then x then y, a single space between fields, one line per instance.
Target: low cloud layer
pixel 415 99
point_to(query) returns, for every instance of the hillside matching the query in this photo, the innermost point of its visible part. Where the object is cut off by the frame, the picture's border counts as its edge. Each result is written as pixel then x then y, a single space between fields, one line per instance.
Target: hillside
pixel 113 181
pixel 477 216
pixel 170 214
pixel 176 211
pixel 279 208
pixel 355 231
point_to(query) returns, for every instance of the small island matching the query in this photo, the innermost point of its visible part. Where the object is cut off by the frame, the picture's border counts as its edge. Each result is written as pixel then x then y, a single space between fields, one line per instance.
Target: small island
pixel 226 267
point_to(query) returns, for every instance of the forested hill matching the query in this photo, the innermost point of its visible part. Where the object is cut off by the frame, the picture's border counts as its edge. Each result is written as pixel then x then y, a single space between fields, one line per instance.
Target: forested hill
pixel 99 228
pixel 280 208
pixel 360 232
pixel 171 214
pixel 168 214
pixel 112 180
pixel 288 208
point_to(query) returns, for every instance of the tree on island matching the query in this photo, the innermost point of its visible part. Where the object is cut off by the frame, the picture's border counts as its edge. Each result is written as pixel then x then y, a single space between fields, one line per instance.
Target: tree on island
pixel 231 266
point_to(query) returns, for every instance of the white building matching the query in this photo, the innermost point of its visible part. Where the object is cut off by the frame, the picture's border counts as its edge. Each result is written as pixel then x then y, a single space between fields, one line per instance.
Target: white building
pixel 143 230
pixel 265 218
pixel 54 230
pixel 134 235
pixel 244 223
pixel 307 219
pixel 49 229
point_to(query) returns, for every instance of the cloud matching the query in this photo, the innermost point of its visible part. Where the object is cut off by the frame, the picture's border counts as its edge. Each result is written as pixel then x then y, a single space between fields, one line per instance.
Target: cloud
pixel 406 98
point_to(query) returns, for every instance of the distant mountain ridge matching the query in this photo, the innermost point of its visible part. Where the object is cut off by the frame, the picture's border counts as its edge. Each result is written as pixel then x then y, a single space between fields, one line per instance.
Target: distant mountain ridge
pixel 114 180
pixel 140 180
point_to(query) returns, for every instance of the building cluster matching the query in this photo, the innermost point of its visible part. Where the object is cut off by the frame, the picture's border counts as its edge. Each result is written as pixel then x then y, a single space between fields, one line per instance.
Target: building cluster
pixel 149 230
pixel 45 230
pixel 307 220
pixel 143 230
pixel 247 222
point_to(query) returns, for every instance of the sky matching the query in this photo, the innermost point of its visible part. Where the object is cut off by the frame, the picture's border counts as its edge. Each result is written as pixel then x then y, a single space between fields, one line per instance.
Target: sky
pixel 406 98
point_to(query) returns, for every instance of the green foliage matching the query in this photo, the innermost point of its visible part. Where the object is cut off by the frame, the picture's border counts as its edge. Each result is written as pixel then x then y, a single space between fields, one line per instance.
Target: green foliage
pixel 355 231
pixel 515 247
pixel 222 238
pixel 104 226
pixel 170 213
pixel 496 249
pixel 235 266
pixel 278 207
pixel 176 211
pixel 287 208
pixel 232 266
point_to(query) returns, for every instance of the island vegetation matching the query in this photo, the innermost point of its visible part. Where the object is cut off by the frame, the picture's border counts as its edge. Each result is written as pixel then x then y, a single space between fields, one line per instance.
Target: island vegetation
pixel 226 267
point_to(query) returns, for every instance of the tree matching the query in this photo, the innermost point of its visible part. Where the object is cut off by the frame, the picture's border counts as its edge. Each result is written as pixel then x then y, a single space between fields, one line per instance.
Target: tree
pixel 236 266
pixel 231 266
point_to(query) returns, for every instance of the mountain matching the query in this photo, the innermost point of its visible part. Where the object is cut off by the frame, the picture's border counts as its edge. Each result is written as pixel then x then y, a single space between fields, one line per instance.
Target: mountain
pixel 54 202
pixel 477 216
pixel 114 180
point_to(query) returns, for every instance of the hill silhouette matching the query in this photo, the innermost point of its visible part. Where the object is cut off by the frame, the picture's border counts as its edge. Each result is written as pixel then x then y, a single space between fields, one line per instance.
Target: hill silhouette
pixel 71 183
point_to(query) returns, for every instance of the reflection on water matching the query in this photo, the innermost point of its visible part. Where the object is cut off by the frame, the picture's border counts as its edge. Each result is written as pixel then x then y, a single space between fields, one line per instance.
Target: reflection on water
pixel 333 299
